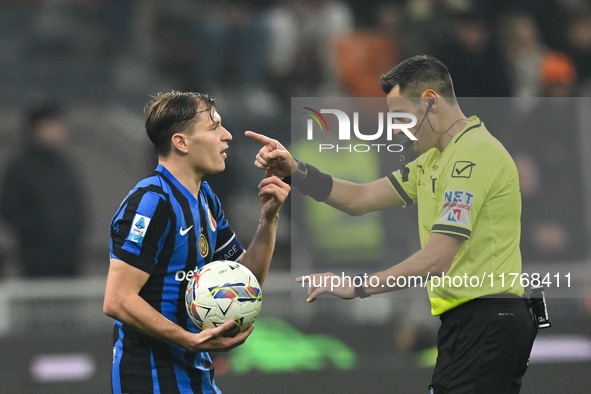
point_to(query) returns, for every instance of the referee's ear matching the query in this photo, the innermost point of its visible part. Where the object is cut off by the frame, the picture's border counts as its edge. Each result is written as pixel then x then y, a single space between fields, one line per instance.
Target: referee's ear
pixel 180 142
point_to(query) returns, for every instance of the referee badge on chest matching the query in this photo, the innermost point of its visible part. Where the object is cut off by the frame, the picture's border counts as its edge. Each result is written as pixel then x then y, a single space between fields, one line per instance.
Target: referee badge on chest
pixel 203 245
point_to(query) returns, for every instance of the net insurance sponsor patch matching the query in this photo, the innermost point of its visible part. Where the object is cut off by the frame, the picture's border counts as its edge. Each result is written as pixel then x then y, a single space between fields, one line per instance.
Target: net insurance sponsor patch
pixel 139 226
pixel 457 206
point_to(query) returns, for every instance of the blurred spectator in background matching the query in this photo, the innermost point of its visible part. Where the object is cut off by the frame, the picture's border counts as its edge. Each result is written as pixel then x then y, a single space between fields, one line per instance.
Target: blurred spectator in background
pixel 579 41
pixel 524 51
pixel 559 76
pixel 549 165
pixel 42 198
pixel 474 60
pixel 302 34
pixel 366 54
pixel 233 41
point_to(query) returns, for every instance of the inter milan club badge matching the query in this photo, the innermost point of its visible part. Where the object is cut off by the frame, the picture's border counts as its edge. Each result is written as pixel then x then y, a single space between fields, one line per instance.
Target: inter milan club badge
pixel 203 245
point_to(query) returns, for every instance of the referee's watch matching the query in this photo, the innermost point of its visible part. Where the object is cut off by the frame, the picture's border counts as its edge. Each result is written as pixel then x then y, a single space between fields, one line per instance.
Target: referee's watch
pixel 359 290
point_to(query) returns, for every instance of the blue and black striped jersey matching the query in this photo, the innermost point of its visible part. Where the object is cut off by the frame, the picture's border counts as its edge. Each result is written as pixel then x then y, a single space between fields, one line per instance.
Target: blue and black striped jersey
pixel 162 229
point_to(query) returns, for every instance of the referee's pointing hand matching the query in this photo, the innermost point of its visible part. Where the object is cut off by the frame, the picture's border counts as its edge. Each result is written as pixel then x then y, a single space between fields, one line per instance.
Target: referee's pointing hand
pixel 273 156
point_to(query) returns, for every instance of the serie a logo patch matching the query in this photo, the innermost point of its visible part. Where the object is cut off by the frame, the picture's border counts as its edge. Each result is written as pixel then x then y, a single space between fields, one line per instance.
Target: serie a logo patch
pixel 139 227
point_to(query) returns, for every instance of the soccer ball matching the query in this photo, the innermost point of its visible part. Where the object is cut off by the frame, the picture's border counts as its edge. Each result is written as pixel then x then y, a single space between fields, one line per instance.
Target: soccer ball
pixel 221 291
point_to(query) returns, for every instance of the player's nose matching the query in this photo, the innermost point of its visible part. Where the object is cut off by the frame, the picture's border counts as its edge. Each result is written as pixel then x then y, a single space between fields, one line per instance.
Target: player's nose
pixel 226 135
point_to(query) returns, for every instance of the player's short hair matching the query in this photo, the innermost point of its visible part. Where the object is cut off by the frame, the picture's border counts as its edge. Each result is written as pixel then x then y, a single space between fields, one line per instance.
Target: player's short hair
pixel 171 113
pixel 416 74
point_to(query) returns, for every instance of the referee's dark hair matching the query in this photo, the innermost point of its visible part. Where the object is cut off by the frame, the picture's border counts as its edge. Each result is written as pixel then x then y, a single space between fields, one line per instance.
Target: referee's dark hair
pixel 417 74
pixel 171 113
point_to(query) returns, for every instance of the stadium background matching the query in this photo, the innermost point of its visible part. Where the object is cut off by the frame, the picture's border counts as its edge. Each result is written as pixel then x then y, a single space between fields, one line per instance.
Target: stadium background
pixel 102 59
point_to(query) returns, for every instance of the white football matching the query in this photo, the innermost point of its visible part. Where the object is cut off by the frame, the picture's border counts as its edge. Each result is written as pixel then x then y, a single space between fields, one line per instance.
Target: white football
pixel 221 291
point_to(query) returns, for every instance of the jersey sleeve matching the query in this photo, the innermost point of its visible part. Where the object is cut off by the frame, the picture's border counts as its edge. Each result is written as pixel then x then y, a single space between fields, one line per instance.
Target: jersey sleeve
pixel 462 193
pixel 139 229
pixel 228 246
pixel 404 182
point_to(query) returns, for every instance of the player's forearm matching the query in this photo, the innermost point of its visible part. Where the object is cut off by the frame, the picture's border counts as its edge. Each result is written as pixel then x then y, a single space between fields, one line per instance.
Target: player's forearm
pixel 131 309
pixel 258 255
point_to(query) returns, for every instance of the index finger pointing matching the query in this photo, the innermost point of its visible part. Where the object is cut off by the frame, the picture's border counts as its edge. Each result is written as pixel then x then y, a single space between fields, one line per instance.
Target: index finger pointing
pixel 263 139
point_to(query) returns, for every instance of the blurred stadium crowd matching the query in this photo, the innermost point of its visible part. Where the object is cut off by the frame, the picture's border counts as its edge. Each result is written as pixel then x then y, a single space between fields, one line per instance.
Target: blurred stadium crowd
pixel 107 50
pixel 101 60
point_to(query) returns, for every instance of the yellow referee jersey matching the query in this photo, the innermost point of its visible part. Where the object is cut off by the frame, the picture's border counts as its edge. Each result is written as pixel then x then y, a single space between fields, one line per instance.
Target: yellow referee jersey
pixel 470 190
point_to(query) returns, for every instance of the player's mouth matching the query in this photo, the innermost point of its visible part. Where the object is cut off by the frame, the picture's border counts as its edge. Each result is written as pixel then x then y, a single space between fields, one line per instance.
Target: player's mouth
pixel 223 152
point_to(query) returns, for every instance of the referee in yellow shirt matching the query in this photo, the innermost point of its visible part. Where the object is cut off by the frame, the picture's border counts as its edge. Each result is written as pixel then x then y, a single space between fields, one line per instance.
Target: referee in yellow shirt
pixel 466 187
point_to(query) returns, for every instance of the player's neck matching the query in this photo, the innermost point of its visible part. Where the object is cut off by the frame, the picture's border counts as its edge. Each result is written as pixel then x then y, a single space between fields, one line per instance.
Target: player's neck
pixel 184 174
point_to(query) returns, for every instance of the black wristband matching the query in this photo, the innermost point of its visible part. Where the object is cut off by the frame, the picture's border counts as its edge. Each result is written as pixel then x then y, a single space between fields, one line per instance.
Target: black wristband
pixel 311 181
pixel 360 290
pixel 301 171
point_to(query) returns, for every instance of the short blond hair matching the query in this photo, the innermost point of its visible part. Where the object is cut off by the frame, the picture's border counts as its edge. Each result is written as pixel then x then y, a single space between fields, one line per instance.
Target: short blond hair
pixel 171 113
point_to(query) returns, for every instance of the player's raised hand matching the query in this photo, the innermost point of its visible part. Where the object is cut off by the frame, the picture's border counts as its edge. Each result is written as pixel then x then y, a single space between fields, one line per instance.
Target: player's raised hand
pixel 273 156
pixel 327 283
pixel 218 339
pixel 273 192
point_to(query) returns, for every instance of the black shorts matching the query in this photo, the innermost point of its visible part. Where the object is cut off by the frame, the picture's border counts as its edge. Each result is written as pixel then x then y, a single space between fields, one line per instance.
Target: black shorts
pixel 483 347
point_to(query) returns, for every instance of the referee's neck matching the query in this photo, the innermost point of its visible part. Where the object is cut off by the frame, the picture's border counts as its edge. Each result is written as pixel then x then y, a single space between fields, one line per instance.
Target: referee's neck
pixel 450 124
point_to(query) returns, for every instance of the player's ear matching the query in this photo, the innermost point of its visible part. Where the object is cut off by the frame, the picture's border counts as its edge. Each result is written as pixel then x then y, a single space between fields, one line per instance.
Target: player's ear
pixel 180 142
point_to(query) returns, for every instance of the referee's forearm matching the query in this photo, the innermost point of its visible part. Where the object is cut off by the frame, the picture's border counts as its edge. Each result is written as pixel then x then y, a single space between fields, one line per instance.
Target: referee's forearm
pixel 432 260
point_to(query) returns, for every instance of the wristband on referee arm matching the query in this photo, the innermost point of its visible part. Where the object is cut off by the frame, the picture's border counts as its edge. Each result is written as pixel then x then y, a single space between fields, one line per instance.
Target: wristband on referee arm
pixel 311 181
pixel 359 290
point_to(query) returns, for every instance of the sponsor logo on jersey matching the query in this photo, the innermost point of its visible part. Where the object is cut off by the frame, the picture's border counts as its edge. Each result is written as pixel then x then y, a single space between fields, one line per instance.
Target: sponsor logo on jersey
pixel 139 227
pixel 181 275
pixel 457 207
pixel 184 231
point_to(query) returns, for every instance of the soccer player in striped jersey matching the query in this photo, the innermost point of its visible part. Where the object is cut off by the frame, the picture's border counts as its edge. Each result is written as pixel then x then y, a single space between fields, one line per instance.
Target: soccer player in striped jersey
pixel 170 225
